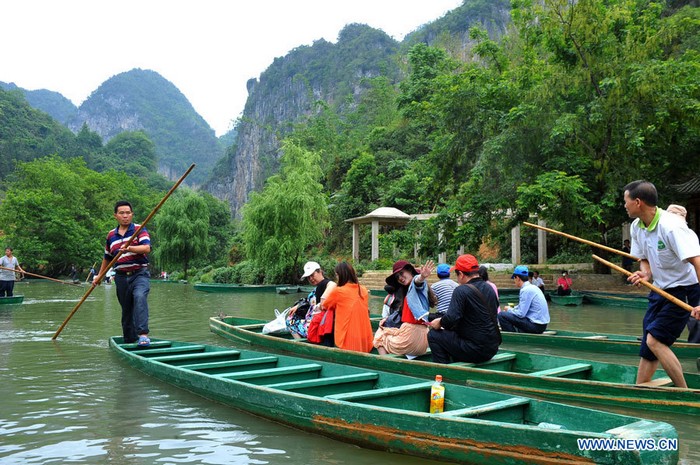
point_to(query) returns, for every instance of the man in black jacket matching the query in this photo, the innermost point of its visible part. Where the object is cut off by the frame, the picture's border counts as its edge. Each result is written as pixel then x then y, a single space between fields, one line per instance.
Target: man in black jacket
pixel 468 332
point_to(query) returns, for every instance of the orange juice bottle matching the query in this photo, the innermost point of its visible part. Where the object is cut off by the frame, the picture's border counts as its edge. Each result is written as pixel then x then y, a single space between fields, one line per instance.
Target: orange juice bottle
pixel 437 396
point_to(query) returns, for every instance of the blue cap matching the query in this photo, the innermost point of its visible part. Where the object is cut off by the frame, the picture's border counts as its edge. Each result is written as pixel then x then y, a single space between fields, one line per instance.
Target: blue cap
pixel 443 270
pixel 520 271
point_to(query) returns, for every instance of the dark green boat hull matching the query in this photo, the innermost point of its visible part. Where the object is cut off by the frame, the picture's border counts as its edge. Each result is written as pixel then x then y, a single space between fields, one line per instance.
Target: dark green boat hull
pixel 526 373
pixel 15 299
pixel 221 288
pixel 390 412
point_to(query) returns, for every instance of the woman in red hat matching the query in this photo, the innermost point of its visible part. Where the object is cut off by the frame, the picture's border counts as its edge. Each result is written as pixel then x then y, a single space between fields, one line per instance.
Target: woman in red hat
pixel 407 335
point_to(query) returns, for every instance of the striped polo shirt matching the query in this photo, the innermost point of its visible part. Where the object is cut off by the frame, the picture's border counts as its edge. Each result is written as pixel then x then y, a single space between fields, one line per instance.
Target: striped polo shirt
pixel 127 261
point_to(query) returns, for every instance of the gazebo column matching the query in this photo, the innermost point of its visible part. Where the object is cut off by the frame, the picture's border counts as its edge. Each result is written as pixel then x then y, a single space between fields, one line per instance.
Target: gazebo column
pixel 442 256
pixel 356 242
pixel 375 240
pixel 515 244
pixel 625 231
pixel 541 243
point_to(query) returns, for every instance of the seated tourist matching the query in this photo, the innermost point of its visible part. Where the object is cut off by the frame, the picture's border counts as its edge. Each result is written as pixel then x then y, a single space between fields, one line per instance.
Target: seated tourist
pixel 349 304
pixel 531 315
pixel 404 331
pixel 468 332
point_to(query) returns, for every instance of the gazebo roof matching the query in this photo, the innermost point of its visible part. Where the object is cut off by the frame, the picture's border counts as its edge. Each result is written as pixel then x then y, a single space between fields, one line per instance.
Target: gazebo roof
pixel 385 215
pixel 690 187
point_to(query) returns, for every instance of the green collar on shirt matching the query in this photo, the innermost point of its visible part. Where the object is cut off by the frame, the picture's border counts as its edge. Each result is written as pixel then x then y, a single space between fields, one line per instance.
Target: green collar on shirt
pixel 653 223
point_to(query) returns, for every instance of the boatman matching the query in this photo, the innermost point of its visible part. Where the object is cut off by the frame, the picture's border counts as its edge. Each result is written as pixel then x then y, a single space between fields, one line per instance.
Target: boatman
pixel 131 273
pixel 669 255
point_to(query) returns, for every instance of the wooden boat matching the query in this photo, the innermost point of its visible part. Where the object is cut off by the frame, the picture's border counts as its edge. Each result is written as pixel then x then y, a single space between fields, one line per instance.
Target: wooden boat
pixel 391 412
pixel 573 299
pixel 594 342
pixel 293 289
pixel 219 287
pixel 615 299
pixel 15 299
pixel 526 373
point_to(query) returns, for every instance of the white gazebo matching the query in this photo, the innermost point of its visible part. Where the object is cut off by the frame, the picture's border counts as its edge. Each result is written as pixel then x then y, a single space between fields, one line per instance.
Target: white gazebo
pixel 385 216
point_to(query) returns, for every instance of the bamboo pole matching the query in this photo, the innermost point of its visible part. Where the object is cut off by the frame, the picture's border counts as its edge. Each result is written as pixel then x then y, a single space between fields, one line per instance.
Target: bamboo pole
pixel 659 291
pixel 584 241
pixel 116 257
pixel 39 276
pixel 87 280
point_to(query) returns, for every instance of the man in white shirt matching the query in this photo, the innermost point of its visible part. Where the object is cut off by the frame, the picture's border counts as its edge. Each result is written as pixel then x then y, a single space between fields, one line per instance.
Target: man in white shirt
pixel 669 254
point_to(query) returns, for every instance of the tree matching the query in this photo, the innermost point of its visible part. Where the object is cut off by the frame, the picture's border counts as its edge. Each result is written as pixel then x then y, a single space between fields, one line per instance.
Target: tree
pixel 57 213
pixel 288 217
pixel 182 230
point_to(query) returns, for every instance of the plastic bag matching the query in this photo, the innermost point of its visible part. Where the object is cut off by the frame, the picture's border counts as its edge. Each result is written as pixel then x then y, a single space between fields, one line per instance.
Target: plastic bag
pixel 278 325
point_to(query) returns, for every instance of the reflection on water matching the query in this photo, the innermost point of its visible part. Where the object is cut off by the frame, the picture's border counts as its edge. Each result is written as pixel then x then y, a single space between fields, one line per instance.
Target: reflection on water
pixel 72 400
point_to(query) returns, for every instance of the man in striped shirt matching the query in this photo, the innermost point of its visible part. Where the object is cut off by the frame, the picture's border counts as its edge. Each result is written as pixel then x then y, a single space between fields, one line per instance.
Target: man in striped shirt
pixel 443 289
pixel 131 273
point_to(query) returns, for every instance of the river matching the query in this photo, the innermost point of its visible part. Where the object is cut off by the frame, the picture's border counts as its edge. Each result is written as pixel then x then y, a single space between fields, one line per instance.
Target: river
pixel 72 401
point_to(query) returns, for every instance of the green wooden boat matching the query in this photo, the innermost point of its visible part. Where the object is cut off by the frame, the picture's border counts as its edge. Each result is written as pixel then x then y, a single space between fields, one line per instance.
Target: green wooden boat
pixel 219 287
pixel 15 299
pixel 526 373
pixel 572 300
pixel 390 412
pixel 293 289
pixel 615 299
pixel 594 342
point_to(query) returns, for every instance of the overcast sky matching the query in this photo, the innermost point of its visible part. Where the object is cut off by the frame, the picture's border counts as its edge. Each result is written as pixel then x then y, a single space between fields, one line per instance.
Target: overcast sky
pixel 207 48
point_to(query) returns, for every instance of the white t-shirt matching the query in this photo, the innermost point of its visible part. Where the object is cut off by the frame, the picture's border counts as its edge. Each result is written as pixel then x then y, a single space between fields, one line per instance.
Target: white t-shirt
pixel 667 243
pixel 7 275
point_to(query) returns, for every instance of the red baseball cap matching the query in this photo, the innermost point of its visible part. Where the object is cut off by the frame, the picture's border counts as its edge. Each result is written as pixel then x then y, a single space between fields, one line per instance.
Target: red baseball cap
pixel 466 263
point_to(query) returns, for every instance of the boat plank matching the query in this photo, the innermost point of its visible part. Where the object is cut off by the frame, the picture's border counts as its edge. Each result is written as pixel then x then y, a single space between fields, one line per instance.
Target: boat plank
pixel 341 379
pixel 477 410
pixel 229 363
pixel 195 356
pixel 265 373
pixel 563 370
pixel 382 392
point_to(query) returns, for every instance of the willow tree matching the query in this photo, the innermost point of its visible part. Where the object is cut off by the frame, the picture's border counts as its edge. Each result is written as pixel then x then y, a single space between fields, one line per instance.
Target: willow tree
pixel 182 230
pixel 289 216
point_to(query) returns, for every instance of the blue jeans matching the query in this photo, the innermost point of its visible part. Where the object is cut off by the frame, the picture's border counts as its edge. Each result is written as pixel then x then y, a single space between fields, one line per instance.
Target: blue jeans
pixel 132 292
pixel 519 324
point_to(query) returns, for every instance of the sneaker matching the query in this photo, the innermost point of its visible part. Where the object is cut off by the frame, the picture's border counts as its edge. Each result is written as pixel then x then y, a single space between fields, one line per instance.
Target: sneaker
pixel 144 341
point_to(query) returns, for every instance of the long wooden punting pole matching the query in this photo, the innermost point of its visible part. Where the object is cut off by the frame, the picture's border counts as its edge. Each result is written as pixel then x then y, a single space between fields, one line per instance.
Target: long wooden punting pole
pixel 661 292
pixel 39 276
pixel 116 257
pixel 584 241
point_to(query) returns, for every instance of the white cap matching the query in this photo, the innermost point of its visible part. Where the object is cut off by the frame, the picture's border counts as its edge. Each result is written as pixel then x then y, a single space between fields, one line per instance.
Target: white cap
pixel 309 269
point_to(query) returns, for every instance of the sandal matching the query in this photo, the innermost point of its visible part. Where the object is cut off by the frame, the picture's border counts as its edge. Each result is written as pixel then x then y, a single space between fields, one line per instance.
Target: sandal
pixel 144 341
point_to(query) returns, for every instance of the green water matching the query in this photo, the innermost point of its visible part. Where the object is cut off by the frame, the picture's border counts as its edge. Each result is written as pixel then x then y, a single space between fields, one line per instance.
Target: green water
pixel 72 401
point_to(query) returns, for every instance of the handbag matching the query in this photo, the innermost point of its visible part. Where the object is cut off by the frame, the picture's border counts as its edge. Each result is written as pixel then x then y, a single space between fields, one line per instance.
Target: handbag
pixel 393 320
pixel 278 325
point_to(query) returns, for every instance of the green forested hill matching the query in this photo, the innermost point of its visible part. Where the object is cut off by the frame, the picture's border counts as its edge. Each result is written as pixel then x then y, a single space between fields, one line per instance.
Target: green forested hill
pixel 144 100
pixel 27 133
pixel 53 103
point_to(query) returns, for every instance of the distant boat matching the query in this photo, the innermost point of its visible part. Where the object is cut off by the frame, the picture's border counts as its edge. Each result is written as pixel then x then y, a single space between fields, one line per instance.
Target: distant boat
pixel 386 411
pixel 572 299
pixel 219 287
pixel 15 299
pixel 293 289
pixel 616 299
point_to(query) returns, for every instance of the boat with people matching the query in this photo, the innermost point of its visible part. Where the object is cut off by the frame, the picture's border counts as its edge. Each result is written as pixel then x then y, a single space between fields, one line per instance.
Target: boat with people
pixel 555 377
pixel 594 342
pixel 222 287
pixel 572 300
pixel 616 299
pixel 391 412
pixel 15 299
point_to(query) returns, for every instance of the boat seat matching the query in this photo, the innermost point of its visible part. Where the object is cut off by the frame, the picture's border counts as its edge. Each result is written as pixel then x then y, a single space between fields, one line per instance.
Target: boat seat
pixel 476 410
pixel 498 358
pixel 292 385
pixel 171 350
pixel 196 356
pixel 381 392
pixel 658 382
pixel 596 337
pixel 550 333
pixel 563 370
pixel 270 372
pixel 229 363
